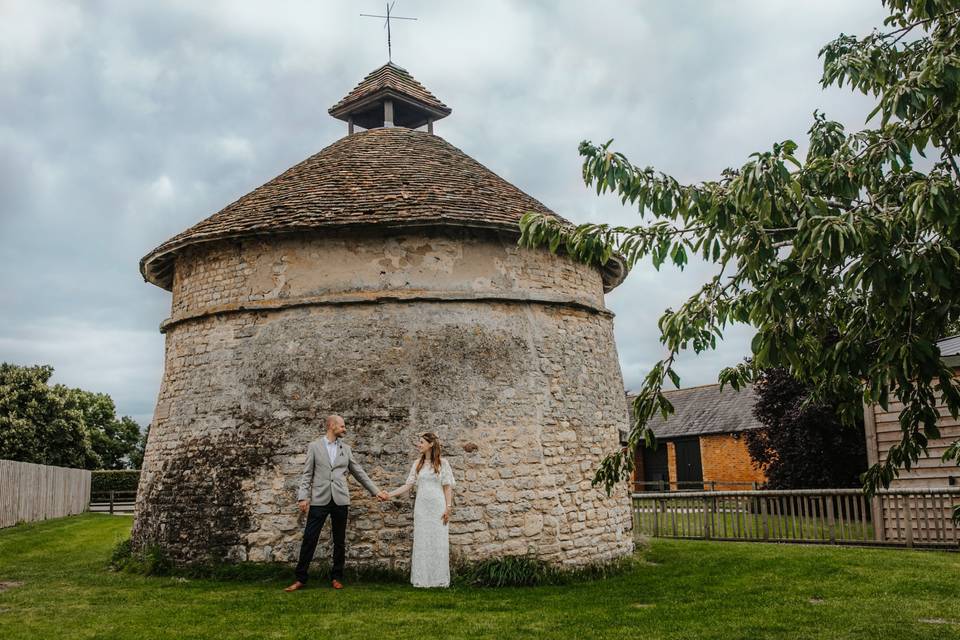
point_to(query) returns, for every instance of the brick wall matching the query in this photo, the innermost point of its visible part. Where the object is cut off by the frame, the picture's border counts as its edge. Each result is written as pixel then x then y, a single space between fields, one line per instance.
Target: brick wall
pixel 726 458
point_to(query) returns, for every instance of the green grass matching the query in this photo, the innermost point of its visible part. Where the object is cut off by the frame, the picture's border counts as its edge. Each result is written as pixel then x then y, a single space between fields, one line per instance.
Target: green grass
pixel 682 589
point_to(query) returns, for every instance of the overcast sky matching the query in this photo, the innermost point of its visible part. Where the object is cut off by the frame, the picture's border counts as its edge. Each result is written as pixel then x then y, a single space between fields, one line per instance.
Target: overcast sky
pixel 122 123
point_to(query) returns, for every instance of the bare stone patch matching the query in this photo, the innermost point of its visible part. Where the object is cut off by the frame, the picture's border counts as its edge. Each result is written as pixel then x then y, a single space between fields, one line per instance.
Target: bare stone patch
pixel 642 605
pixel 816 600
pixel 937 621
pixel 9 584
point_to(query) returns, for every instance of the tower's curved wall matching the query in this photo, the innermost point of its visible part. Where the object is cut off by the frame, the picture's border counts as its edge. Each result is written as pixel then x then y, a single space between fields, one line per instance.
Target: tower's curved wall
pixel 507 354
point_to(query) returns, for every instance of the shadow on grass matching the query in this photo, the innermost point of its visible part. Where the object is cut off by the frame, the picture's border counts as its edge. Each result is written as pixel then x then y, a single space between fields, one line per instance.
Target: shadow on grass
pixel 506 571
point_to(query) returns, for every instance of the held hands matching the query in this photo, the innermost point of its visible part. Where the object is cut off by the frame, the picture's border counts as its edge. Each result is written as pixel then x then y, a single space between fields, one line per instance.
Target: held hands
pixel 383 496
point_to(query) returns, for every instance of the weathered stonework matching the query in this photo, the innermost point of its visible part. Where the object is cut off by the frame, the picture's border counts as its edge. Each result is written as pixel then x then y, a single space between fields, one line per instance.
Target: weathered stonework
pixel 506 353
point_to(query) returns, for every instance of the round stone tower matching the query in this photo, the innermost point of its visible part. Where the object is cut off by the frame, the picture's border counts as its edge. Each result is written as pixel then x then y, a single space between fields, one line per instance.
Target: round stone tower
pixel 381 279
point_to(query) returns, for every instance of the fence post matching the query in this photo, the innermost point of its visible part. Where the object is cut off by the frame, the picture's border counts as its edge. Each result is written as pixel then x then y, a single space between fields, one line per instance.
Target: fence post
pixel 707 517
pixel 879 520
pixel 763 517
pixel 656 517
pixel 831 524
pixel 111 502
pixel 909 521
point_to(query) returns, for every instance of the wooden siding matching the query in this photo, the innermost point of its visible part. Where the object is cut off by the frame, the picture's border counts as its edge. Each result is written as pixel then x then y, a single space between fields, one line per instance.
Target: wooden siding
pixel 32 492
pixel 882 432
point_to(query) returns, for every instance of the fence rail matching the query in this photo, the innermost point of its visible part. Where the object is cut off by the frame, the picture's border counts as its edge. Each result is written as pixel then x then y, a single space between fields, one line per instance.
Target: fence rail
pixel 32 492
pixel 643 486
pixel 910 518
pixel 113 501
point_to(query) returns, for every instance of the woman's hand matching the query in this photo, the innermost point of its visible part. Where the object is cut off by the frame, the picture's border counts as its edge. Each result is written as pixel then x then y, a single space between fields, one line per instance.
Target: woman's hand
pixel 445 518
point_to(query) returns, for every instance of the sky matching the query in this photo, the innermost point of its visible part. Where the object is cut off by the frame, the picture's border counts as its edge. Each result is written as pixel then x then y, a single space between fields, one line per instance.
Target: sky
pixel 123 123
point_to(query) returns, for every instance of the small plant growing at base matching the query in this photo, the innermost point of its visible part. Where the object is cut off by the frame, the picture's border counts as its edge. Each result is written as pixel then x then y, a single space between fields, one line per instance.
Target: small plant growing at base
pixel 529 571
pixel 151 561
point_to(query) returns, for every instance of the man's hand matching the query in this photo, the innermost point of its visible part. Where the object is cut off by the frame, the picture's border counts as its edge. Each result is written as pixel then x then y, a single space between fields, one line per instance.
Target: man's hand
pixel 383 496
pixel 304 506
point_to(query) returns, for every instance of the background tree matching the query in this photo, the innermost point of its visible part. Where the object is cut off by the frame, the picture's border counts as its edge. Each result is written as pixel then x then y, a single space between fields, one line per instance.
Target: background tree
pixel 845 260
pixel 136 458
pixel 40 423
pixel 113 440
pixel 61 426
pixel 803 444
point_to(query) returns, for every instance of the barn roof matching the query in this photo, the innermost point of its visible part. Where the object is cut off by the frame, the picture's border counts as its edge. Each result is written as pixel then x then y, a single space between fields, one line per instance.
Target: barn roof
pixel 706 410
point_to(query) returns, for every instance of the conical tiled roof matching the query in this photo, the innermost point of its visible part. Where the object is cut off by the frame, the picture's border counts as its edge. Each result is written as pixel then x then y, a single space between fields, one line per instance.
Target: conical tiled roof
pixel 393 80
pixel 389 177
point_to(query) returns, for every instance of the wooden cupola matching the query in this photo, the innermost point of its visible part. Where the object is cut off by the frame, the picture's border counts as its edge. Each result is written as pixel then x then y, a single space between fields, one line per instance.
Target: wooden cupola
pixel 389 97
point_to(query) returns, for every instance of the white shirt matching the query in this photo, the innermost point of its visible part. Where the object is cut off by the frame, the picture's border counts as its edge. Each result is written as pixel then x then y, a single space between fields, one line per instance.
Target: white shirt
pixel 331 449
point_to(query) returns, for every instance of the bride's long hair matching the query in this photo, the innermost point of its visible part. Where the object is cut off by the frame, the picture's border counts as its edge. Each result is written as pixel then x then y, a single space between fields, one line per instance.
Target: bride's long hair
pixel 434 452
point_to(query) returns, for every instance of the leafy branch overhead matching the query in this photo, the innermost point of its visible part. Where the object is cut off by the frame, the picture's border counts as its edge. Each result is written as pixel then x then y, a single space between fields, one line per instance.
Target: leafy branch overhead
pixel 844 258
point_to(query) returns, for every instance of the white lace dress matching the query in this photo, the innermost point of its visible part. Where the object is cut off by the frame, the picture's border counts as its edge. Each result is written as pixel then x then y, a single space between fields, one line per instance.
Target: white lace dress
pixel 430 563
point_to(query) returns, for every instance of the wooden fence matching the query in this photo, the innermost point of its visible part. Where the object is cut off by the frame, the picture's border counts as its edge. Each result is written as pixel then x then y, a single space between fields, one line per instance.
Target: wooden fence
pixel 113 502
pixel 31 492
pixel 909 518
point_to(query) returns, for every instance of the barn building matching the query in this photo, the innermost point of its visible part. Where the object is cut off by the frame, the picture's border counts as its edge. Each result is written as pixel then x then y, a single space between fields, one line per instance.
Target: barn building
pixel 700 445
pixel 930 517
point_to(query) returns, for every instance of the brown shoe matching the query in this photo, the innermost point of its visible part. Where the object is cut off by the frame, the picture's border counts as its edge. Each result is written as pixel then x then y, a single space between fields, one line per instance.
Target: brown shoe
pixel 296 586
pixel 336 584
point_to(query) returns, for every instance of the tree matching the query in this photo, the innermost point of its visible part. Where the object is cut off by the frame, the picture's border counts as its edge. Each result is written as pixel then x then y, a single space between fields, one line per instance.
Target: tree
pixel 61 426
pixel 40 423
pixel 845 260
pixel 136 458
pixel 803 444
pixel 113 440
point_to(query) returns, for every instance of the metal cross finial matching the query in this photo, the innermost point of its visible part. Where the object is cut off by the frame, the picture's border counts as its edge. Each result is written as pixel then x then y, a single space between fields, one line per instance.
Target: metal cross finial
pixel 386 23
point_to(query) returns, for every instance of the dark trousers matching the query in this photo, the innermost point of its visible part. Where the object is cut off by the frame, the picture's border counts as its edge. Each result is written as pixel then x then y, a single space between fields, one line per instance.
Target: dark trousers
pixel 311 533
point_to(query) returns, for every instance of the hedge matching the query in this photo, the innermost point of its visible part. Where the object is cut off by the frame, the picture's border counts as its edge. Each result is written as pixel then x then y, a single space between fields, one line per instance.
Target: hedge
pixel 123 480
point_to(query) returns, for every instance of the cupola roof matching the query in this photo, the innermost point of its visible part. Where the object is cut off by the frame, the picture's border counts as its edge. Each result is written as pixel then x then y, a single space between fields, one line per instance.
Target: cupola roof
pixel 412 104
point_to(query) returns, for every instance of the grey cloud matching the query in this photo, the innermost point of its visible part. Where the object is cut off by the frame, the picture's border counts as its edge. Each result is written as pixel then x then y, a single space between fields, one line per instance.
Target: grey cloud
pixel 123 123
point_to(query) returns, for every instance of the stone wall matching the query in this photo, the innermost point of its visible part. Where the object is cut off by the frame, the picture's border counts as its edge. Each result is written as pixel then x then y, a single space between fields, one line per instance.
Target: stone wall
pixel 524 390
pixel 324 268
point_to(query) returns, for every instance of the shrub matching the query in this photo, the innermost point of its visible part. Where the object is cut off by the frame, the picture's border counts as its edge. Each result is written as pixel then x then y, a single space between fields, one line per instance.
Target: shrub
pixel 151 561
pixel 528 571
pixel 124 480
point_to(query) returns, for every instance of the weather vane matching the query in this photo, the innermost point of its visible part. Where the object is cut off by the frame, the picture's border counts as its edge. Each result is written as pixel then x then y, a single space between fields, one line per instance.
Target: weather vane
pixel 386 23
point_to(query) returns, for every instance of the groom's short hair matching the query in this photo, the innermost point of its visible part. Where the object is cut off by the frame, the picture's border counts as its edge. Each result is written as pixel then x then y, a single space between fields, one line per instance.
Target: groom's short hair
pixel 331 419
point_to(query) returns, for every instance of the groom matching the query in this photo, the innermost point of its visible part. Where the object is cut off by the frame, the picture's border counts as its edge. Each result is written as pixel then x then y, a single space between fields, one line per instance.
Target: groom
pixel 323 492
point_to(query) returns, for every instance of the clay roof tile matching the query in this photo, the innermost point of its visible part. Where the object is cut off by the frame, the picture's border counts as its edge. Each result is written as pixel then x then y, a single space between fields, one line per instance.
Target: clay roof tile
pixel 387 177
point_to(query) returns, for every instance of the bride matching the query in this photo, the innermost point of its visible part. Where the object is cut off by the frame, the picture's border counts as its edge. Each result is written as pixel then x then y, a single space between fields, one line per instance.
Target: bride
pixel 433 478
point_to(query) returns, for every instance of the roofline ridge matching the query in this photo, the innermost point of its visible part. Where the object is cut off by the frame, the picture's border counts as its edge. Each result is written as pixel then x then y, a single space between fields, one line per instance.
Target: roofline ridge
pixel 696 386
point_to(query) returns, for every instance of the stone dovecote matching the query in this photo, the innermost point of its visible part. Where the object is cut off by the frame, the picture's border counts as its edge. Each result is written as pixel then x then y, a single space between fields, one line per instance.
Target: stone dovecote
pixel 381 279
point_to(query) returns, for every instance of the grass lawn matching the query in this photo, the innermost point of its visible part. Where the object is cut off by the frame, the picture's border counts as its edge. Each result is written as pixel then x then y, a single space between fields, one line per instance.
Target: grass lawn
pixel 685 589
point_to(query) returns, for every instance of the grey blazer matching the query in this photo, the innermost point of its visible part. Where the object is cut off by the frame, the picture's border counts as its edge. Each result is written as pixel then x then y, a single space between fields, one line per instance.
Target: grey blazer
pixel 320 481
